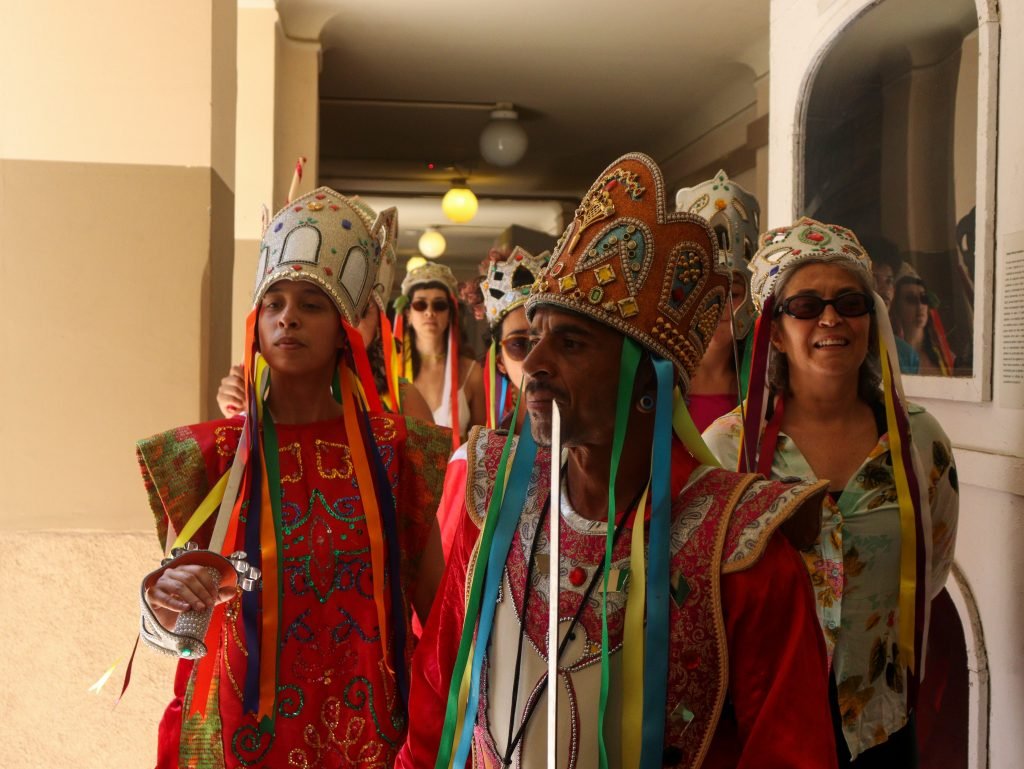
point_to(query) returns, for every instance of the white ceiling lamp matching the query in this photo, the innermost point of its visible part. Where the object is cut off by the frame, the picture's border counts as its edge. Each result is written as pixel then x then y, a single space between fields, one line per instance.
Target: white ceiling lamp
pixel 503 141
pixel 459 203
pixel 432 243
pixel 414 263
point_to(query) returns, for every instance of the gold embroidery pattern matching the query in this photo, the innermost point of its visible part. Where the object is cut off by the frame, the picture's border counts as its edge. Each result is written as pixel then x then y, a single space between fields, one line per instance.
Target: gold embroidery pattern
pixel 355 748
pixel 295 451
pixel 227 438
pixel 328 453
pixel 383 428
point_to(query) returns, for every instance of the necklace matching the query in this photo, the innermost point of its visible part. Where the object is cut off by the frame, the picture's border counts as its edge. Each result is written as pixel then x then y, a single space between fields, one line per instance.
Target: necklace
pixel 516 735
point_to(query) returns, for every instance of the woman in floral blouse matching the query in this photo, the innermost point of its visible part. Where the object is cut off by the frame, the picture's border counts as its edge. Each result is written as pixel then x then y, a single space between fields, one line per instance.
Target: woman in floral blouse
pixel 825 417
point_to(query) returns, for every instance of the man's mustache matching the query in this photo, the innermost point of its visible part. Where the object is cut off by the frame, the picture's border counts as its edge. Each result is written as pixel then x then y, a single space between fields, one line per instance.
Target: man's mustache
pixel 534 387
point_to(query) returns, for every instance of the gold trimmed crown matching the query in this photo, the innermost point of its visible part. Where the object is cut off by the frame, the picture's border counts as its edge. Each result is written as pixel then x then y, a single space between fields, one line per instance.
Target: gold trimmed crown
pixel 629 263
pixel 431 272
pixel 327 239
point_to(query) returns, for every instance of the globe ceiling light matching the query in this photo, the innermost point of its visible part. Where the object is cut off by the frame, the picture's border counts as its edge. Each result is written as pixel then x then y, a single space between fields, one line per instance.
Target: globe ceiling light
pixel 503 140
pixel 432 243
pixel 459 203
pixel 414 263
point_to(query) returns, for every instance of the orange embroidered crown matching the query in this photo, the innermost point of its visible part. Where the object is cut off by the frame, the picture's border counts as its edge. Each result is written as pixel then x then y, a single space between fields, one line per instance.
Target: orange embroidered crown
pixel 628 262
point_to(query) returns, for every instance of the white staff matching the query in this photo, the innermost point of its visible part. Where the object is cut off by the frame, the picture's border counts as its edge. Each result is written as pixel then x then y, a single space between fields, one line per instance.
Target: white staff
pixel 554 519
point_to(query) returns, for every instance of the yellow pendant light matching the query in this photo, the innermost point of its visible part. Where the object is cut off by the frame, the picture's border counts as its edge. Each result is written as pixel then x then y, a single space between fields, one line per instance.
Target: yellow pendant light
pixel 459 203
pixel 432 243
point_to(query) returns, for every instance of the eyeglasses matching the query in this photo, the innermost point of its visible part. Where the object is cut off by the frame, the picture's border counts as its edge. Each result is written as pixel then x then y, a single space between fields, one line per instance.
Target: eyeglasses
pixel 808 306
pixel 515 347
pixel 922 298
pixel 437 305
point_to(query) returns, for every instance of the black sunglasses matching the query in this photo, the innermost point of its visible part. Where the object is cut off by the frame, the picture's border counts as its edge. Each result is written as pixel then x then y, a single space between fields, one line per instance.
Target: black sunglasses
pixel 515 347
pixel 437 305
pixel 808 306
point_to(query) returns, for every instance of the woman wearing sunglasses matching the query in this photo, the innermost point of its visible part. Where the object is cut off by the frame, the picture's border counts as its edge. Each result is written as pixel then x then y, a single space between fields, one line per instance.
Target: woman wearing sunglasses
pixel 915 320
pixel 428 330
pixel 505 289
pixel 826 402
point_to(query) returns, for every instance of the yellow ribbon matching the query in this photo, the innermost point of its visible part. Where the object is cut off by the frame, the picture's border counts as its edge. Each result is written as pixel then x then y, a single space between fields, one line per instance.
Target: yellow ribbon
pixel 686 431
pixel 203 512
pixel 908 523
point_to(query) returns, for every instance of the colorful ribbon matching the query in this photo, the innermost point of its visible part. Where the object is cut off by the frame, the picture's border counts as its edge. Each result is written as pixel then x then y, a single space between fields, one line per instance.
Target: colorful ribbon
pixel 628 364
pixel 658 605
pixel 458 690
pixel 512 504
pixel 633 642
pixel 491 385
pixel 912 576
pixel 392 363
pixel 686 430
pixel 757 392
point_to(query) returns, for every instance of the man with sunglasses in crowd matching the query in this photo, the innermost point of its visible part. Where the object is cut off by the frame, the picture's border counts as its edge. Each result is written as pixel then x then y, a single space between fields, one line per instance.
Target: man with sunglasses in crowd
pixel 505 290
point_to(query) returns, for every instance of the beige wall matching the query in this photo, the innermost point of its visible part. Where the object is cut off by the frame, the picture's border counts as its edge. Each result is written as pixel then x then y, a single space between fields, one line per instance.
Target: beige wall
pixel 110 347
pixel 117 253
pixel 124 75
pixel 739 145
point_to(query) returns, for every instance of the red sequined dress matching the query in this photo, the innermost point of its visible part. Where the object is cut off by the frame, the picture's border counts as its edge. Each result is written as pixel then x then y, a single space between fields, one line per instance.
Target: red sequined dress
pixel 336 697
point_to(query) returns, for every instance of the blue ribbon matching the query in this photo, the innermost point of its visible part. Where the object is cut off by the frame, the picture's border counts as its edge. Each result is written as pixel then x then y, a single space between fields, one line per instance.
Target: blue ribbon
pixel 508 521
pixel 251 598
pixel 389 517
pixel 657 630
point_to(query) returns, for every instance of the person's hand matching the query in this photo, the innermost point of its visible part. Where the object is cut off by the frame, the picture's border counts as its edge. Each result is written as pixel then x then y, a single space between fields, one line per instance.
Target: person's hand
pixel 231 393
pixel 188 587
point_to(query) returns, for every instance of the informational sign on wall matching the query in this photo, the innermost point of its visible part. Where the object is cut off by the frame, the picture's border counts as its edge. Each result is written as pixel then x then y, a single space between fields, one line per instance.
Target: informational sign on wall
pixel 1010 325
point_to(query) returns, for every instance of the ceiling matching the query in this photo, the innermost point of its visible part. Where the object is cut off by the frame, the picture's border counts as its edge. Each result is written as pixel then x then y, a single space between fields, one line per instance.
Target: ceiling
pixel 591 81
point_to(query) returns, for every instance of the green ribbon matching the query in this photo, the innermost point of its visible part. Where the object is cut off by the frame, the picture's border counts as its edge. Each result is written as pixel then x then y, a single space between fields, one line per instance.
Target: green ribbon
pixel 628 364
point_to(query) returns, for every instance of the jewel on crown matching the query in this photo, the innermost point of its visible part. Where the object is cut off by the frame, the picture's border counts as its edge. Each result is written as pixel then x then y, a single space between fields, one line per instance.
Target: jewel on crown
pixel 648 272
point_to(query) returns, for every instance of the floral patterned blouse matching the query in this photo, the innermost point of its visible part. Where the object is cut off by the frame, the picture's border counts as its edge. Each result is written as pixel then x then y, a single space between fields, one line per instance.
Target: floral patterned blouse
pixel 854 567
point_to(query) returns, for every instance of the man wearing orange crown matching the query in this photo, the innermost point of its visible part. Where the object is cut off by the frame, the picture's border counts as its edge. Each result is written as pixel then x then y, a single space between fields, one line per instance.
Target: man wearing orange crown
pixel 317 506
pixel 686 628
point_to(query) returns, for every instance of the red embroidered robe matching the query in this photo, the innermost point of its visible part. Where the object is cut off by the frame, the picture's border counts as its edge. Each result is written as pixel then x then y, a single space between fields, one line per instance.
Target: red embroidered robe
pixel 745 634
pixel 336 696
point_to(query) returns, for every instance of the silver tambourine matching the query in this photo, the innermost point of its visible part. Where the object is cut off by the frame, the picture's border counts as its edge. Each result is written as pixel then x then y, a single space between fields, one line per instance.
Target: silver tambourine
pixel 187 639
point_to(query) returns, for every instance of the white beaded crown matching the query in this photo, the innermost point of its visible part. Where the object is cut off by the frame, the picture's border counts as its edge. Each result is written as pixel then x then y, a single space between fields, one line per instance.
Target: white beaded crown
pixel 388 257
pixel 806 239
pixel 324 238
pixel 508 282
pixel 734 215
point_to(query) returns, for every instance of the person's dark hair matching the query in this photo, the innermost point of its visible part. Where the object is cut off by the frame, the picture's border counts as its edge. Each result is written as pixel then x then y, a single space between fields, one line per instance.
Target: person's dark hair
pixel 411 332
pixel 375 352
pixel 869 378
pixel 882 251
